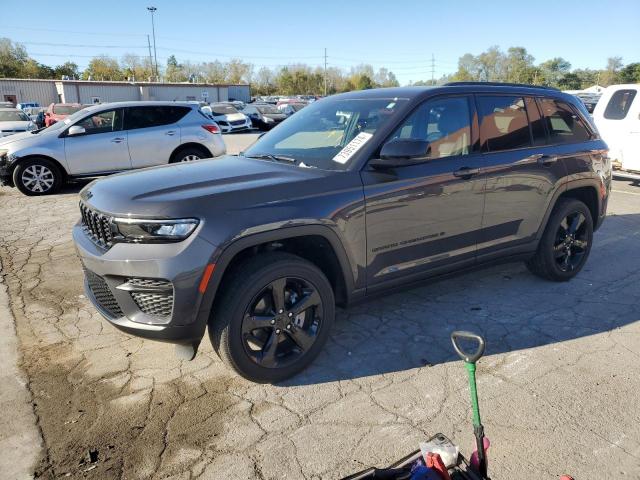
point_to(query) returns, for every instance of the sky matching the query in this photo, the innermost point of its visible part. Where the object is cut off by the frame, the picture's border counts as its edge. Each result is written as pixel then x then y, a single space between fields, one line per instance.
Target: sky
pixel 401 35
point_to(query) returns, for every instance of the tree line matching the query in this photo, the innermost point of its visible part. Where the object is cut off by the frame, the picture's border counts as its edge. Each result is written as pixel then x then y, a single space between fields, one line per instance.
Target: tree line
pixel 515 65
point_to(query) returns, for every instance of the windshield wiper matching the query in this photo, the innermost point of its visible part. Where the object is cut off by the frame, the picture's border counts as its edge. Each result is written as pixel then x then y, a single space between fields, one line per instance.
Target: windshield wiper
pixel 271 156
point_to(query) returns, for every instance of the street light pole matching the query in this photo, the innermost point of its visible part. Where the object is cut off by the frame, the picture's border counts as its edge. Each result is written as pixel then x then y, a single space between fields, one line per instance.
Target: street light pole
pixel 153 29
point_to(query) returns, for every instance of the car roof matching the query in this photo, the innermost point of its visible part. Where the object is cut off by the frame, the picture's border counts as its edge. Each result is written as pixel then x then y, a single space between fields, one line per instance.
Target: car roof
pixel 146 103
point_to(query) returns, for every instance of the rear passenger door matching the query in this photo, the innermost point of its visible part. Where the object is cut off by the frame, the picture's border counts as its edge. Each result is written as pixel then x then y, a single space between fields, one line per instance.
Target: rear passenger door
pixel 152 133
pixel 522 171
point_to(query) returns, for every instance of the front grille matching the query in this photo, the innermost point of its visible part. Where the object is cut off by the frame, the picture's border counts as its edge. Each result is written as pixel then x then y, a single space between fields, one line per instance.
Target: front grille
pixel 102 294
pixel 97 226
pixel 238 122
pixel 158 303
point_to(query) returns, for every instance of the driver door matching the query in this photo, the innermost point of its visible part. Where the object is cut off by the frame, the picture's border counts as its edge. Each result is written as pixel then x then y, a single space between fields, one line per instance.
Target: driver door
pixel 427 217
pixel 101 148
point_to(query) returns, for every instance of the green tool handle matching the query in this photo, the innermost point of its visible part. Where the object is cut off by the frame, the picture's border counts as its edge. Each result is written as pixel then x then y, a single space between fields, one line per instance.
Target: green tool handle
pixel 471 368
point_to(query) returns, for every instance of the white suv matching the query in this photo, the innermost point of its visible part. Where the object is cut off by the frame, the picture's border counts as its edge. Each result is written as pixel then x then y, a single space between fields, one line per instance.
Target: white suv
pixel 105 139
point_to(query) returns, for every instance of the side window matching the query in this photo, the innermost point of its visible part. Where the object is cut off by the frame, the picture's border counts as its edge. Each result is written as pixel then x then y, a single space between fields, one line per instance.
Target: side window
pixel 152 116
pixel 619 104
pixel 563 124
pixel 536 121
pixel 504 124
pixel 444 123
pixel 102 122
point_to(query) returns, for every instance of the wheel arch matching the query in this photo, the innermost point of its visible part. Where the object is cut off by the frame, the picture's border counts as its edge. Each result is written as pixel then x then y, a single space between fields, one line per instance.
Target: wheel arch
pixel 316 243
pixel 33 156
pixel 184 146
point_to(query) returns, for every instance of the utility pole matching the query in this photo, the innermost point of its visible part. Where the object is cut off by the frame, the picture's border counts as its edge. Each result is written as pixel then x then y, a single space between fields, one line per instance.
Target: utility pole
pixel 325 72
pixel 433 69
pixel 150 58
pixel 153 29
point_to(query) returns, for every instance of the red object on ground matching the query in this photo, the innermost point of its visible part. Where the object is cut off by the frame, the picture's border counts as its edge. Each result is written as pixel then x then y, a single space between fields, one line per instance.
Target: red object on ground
pixel 566 477
pixel 434 461
pixel 474 456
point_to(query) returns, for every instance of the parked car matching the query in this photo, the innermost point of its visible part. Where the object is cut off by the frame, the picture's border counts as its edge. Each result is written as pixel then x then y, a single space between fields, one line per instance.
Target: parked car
pixel 417 182
pixel 107 138
pixel 617 116
pixel 264 116
pixel 227 117
pixel 289 109
pixel 60 111
pixel 33 112
pixel 14 121
pixel 23 105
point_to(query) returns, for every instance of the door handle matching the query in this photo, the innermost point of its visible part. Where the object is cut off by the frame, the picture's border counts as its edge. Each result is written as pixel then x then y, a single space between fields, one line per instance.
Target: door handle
pixel 466 172
pixel 118 140
pixel 547 159
pixel 171 132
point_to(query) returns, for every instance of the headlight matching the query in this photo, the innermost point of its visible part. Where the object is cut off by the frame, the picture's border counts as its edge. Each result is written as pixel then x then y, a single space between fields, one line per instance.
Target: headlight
pixel 267 119
pixel 153 231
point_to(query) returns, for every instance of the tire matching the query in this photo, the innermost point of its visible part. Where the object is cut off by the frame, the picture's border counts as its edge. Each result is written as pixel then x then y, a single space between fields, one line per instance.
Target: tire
pixel 37 176
pixel 189 154
pixel 248 290
pixel 562 254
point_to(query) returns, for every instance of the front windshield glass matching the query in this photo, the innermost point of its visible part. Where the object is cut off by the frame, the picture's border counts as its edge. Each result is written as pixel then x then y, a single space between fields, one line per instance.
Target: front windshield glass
pixel 297 106
pixel 223 109
pixel 318 134
pixel 13 116
pixel 65 109
pixel 267 109
pixel 69 120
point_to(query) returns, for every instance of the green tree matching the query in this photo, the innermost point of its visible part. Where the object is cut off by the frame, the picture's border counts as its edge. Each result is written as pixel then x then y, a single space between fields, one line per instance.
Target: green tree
pixel 69 69
pixel 136 67
pixel 103 68
pixel 518 66
pixel 553 70
pixel 610 74
pixel 630 73
pixel 570 81
pixel 13 57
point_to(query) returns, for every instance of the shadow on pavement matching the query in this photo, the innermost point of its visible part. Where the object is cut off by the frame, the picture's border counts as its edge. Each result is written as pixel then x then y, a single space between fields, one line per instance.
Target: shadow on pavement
pixel 509 306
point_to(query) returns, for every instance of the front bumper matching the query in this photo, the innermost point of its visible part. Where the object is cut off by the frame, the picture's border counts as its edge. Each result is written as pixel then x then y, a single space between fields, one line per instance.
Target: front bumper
pixel 109 275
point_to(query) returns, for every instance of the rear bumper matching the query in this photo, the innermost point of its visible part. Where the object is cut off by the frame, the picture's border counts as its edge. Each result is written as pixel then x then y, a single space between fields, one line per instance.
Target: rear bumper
pixel 181 265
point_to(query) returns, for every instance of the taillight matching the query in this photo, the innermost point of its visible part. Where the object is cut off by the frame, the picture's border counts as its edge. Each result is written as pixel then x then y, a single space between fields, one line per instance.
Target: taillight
pixel 211 128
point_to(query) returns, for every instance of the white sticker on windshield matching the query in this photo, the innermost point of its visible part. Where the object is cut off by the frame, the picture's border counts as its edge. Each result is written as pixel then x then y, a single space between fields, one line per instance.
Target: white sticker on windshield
pixel 352 147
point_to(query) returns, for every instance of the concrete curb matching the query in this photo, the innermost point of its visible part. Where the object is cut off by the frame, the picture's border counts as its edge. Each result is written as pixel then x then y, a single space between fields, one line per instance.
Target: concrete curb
pixel 20 440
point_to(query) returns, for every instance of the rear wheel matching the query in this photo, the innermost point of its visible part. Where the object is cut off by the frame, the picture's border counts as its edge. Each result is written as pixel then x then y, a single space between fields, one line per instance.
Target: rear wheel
pixel 38 176
pixel 273 317
pixel 566 242
pixel 189 154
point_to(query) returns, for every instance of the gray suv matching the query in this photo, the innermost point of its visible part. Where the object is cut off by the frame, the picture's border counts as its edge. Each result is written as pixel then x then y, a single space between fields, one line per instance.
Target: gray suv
pixel 105 139
pixel 355 195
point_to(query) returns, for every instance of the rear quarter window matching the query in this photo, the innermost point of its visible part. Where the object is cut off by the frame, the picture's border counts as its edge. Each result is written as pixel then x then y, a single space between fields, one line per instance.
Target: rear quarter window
pixel 563 124
pixel 619 104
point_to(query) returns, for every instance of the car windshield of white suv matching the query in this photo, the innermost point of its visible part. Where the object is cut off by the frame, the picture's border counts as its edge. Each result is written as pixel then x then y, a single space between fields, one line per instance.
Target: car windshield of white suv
pixel 326 134
pixel 223 109
pixel 10 116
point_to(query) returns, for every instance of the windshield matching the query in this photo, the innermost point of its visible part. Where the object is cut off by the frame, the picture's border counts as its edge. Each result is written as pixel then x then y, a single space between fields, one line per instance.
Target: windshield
pixel 13 116
pixel 223 109
pixel 267 109
pixel 65 109
pixel 318 135
pixel 297 106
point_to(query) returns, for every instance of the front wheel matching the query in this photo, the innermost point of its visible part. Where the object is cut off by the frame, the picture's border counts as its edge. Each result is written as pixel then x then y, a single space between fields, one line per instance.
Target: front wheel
pixel 566 242
pixel 38 176
pixel 273 317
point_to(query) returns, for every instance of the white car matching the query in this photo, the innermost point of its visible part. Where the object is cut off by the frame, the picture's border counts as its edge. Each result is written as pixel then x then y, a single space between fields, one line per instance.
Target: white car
pixel 14 121
pixel 104 139
pixel 617 116
pixel 228 118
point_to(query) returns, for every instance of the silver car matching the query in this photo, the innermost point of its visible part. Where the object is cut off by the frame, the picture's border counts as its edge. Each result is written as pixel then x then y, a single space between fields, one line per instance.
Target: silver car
pixel 14 121
pixel 105 139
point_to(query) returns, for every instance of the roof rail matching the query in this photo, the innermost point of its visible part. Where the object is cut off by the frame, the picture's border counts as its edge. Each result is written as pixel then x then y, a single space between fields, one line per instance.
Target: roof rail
pixel 502 84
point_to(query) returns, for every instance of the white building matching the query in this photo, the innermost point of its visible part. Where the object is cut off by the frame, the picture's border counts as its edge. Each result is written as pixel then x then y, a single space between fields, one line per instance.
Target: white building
pixel 81 91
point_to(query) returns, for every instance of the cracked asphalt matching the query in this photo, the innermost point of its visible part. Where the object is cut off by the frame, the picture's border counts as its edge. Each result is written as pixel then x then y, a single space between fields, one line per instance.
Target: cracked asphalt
pixel 558 385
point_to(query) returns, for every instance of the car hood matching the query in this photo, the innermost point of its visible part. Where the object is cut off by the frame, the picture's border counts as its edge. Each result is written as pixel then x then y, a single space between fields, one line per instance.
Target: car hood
pixel 232 117
pixel 26 139
pixel 18 125
pixel 196 188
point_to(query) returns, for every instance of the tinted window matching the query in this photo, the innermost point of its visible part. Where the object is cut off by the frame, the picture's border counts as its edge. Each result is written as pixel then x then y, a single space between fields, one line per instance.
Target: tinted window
pixel 619 105
pixel 102 122
pixel 222 109
pixel 13 116
pixel 504 124
pixel 563 125
pixel 153 116
pixel 444 123
pixel 536 121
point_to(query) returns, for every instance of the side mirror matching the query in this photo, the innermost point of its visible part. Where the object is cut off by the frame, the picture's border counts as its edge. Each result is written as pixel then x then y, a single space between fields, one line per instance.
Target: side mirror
pixel 401 152
pixel 75 130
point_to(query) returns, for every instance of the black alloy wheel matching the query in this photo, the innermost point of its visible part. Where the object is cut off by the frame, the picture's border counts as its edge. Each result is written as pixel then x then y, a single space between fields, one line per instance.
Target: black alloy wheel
pixel 282 322
pixel 572 242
